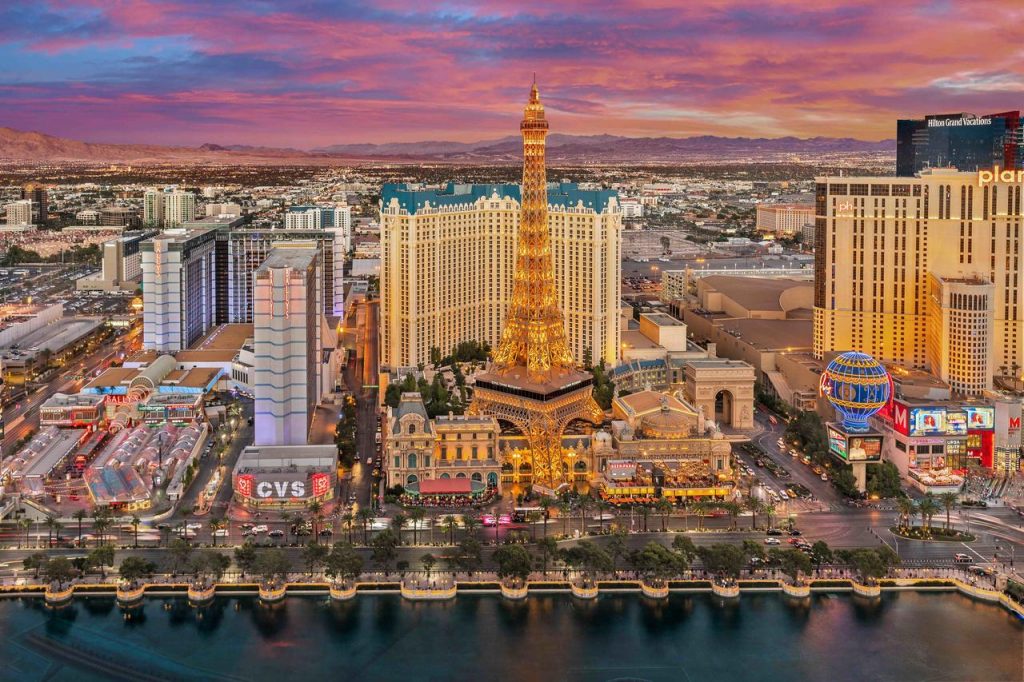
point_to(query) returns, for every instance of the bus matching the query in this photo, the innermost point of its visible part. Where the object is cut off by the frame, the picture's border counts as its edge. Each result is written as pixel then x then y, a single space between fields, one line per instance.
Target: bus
pixel 519 514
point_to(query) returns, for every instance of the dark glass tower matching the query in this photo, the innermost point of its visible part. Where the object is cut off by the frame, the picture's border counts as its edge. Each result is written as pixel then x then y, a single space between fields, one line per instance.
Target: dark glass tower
pixel 962 141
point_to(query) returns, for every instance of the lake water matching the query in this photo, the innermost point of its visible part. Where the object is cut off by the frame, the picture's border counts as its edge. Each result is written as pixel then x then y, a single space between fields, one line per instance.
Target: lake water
pixel 903 636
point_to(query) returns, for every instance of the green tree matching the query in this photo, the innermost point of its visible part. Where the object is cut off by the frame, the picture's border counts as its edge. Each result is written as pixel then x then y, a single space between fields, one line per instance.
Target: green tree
pixel 450 524
pixel 657 563
pixel 685 547
pixel 469 554
pixel 101 558
pixel 587 558
pixel 314 555
pixel 135 528
pixel 428 561
pixel 844 481
pixel 664 508
pixel 180 552
pixel 725 561
pixel 59 570
pixel 616 546
pixel 548 548
pixel 884 480
pixel 513 561
pixel 795 564
pixel 133 569
pixel 907 508
pixel 365 515
pixel 753 505
pixel 344 562
pixel 245 557
pixel 272 566
pixel 52 526
pixel 820 553
pixel 34 562
pixel 385 549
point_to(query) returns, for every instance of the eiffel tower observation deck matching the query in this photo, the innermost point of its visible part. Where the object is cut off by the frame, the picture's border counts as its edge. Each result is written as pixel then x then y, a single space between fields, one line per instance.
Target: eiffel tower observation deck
pixel 533 382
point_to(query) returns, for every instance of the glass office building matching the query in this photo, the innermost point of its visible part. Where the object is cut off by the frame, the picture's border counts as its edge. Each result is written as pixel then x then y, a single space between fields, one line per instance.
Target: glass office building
pixel 962 141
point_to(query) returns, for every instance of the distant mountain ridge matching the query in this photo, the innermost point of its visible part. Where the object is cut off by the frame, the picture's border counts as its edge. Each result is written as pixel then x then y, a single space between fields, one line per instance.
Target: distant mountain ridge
pixel 20 145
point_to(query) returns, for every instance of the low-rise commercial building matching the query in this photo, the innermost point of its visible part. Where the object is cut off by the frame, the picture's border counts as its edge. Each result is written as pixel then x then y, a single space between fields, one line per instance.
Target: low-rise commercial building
pixel 285 476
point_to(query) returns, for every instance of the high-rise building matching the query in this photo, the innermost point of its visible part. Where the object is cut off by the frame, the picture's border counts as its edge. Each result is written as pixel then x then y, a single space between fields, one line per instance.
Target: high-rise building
pixel 153 208
pixel 246 249
pixel 533 382
pixel 784 220
pixel 20 212
pixel 121 264
pixel 37 194
pixel 287 345
pixel 924 272
pixel 178 289
pixel 179 208
pixel 448 257
pixel 119 216
pixel 214 209
pixel 962 141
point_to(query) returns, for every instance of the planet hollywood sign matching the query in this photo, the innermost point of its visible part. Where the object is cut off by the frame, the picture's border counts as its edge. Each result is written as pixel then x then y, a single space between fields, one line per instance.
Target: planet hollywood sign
pixel 987 177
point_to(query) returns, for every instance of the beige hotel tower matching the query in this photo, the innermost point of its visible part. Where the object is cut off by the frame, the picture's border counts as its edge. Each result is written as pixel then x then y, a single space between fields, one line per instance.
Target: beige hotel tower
pixel 924 272
pixel 448 256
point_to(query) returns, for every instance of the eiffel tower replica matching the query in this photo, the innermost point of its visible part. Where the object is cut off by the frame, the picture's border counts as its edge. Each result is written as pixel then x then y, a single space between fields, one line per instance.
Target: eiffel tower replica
pixel 533 382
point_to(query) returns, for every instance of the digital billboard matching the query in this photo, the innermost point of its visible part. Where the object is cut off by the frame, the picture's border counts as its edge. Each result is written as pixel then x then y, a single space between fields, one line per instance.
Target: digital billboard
pixel 865 448
pixel 980 418
pixel 837 442
pixel 956 423
pixel 927 421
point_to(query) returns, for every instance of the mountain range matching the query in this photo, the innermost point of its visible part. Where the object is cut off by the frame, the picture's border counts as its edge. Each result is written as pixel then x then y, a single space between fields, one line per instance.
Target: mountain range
pixel 17 145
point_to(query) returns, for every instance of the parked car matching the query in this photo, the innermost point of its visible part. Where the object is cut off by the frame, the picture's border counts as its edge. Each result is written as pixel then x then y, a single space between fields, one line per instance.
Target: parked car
pixel 795 532
pixel 774 531
pixel 772 541
pixel 276 533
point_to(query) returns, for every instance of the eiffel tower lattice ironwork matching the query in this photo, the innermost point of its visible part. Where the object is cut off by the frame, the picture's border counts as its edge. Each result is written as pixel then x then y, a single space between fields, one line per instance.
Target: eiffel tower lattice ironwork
pixel 533 382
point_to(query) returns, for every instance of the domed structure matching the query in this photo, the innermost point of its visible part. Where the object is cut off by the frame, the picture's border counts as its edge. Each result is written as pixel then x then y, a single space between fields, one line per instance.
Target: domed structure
pixel 858 386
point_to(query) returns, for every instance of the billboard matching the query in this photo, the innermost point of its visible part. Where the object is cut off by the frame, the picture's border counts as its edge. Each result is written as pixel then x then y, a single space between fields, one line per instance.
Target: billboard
pixel 956 423
pixel 865 448
pixel 980 418
pixel 927 421
pixel 854 447
pixel 837 442
pixel 271 486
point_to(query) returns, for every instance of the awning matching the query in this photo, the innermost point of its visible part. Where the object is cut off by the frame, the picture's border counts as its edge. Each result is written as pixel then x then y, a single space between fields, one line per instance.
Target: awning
pixel 446 486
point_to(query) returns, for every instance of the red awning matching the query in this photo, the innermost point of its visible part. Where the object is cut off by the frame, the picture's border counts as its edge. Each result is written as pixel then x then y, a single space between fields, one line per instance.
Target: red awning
pixel 446 486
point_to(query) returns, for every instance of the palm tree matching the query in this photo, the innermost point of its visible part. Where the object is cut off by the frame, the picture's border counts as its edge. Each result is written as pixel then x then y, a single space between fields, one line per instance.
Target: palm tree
pixel 450 524
pixel 316 510
pixel 769 511
pixel 348 518
pixel 215 525
pixel 25 524
pixel 700 508
pixel 545 505
pixel 907 511
pixel 364 515
pixel 663 507
pixel 586 503
pixel 100 523
pixel 753 505
pixel 927 508
pixel 948 501
pixel 417 514
pixel 470 524
pixel 289 520
pixel 79 516
pixel 52 524
pixel 532 517
pixel 397 523
pixel 135 526
pixel 563 510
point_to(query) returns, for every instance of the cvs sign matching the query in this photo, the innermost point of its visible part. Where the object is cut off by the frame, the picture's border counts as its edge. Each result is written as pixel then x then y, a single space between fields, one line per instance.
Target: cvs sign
pixel 265 489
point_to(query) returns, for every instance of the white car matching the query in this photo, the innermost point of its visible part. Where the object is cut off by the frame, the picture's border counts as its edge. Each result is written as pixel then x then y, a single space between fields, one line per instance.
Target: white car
pixel 221 533
pixel 262 528
pixel 772 541
pixel 194 526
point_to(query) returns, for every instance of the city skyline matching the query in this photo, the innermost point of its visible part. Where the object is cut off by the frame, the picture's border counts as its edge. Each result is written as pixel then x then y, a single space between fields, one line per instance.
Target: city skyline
pixel 305 74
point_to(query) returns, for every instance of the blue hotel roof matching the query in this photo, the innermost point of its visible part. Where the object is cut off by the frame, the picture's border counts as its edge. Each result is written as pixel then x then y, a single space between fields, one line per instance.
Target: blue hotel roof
pixel 564 194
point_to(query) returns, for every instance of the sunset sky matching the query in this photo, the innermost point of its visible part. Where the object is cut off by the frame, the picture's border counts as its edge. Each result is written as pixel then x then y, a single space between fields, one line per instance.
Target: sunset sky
pixel 305 73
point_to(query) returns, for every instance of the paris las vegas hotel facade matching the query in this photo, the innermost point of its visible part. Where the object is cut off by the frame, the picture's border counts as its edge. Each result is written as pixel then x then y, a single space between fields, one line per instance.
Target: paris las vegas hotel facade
pixel 448 256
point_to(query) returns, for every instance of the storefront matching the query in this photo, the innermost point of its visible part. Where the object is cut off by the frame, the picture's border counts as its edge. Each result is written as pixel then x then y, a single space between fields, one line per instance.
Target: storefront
pixel 936 438
pixel 285 477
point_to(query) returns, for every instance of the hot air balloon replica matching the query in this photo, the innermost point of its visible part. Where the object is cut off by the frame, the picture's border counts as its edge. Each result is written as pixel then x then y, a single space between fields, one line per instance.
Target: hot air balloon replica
pixel 858 386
